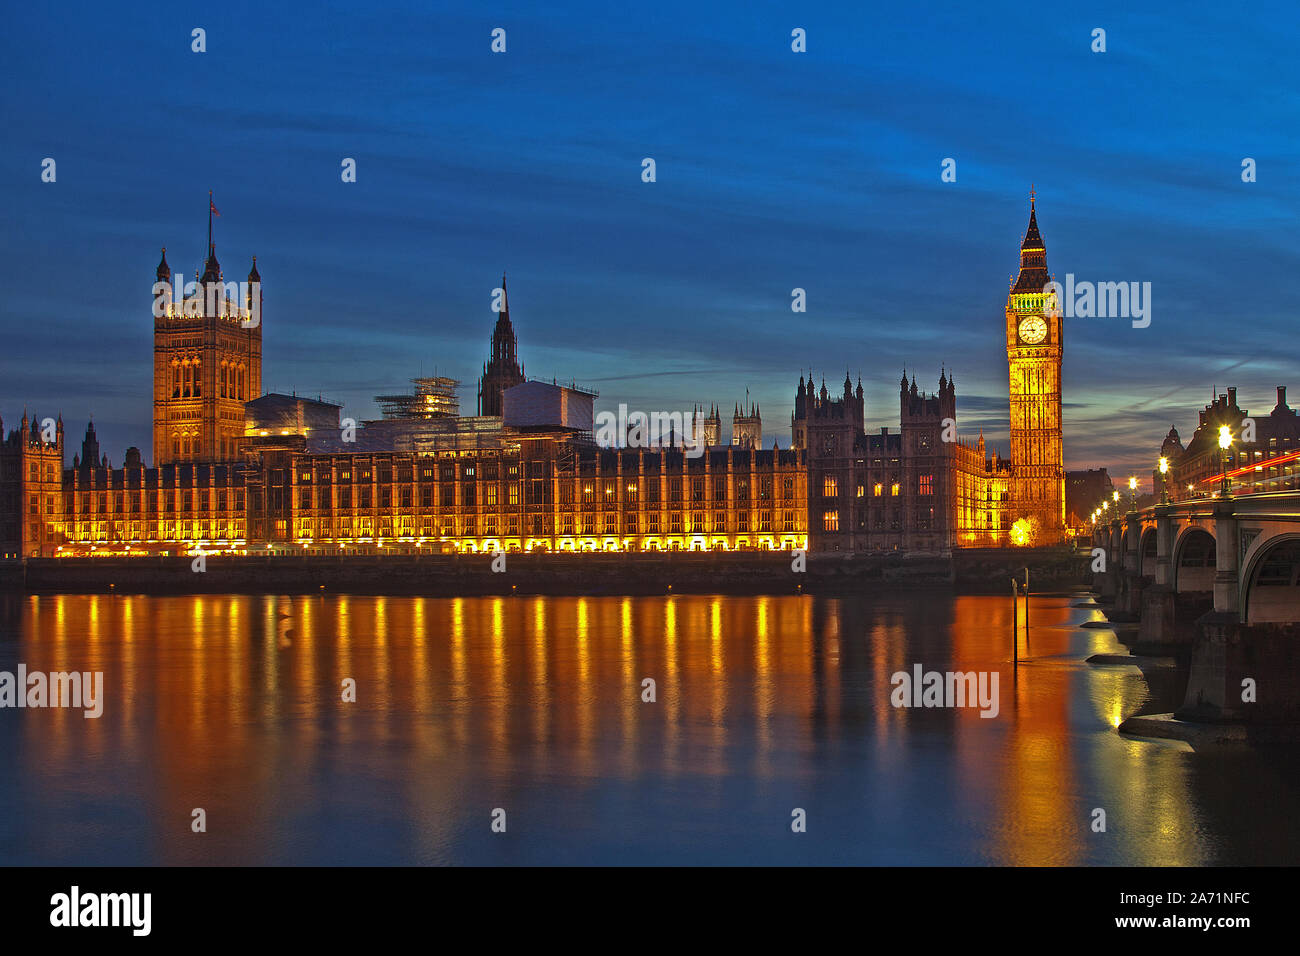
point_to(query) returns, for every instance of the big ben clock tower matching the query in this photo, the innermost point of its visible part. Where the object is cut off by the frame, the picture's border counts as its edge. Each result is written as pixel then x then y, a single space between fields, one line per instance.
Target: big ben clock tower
pixel 1034 361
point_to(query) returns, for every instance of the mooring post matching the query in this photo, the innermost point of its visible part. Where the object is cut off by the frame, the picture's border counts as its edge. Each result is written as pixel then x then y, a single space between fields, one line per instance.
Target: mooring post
pixel 1015 625
pixel 1026 606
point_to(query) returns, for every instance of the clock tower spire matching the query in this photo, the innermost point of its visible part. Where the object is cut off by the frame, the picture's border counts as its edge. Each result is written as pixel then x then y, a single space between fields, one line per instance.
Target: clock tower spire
pixel 1033 331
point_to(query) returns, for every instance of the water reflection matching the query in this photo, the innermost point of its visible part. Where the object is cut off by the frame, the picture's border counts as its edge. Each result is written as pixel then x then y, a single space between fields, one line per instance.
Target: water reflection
pixel 235 704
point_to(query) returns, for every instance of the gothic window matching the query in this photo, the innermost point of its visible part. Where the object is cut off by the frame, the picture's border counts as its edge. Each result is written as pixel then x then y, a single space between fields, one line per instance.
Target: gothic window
pixel 176 380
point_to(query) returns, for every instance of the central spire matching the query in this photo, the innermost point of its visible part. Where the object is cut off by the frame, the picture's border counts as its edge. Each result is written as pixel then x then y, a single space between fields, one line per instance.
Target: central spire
pixel 1033 255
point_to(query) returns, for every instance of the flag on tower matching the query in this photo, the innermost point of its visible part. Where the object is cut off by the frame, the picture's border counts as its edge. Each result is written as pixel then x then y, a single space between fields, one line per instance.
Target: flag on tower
pixel 213 206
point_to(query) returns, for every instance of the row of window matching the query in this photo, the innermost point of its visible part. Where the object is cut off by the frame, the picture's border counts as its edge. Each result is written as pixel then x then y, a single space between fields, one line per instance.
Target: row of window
pixel 881 520
pixel 187 380
pixel 831 487
pixel 491 525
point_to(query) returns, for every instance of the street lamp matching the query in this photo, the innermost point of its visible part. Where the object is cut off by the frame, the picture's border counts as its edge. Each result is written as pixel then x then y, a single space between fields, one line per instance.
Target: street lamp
pixel 1164 480
pixel 1133 490
pixel 1225 442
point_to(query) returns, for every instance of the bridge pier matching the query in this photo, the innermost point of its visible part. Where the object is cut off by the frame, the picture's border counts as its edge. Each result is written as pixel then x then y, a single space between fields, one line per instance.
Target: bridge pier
pixel 1108 581
pixel 1226 588
pixel 1244 672
pixel 1165 529
pixel 1168 622
pixel 1131 583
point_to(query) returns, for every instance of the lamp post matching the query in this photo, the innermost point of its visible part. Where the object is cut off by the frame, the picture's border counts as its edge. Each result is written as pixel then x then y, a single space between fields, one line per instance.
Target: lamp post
pixel 1133 490
pixel 1225 442
pixel 1164 480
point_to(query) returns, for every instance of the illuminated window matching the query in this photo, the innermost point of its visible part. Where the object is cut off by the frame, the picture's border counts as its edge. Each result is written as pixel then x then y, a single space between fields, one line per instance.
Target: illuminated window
pixel 831 521
pixel 830 487
pixel 926 485
pixel 877 489
pixel 893 489
pixel 862 491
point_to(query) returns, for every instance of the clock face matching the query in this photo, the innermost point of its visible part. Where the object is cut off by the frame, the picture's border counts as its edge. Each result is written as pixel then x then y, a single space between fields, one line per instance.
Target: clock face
pixel 1032 330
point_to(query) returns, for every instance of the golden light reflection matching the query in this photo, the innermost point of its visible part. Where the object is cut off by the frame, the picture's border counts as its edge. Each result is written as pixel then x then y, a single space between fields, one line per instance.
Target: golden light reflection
pixel 479 691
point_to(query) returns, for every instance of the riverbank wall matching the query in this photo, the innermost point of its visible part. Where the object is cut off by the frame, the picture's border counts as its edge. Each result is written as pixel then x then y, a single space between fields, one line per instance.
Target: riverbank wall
pixel 579 574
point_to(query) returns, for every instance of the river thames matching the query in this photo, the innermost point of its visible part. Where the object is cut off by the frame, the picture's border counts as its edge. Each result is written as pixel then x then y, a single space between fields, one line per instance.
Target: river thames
pixel 533 705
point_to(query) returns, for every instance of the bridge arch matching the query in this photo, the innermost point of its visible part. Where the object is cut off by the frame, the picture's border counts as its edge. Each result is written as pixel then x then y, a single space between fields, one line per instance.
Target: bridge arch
pixel 1195 560
pixel 1272 582
pixel 1147 553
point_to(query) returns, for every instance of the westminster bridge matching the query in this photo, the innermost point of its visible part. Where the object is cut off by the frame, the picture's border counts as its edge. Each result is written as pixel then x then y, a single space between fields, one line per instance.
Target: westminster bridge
pixel 1217 579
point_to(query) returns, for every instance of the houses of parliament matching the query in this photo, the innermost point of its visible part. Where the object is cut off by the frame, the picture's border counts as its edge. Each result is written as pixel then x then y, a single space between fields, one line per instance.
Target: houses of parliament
pixel 236 471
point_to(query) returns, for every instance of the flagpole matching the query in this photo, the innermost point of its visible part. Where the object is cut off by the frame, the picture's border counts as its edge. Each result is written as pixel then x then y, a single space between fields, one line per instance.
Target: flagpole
pixel 209 222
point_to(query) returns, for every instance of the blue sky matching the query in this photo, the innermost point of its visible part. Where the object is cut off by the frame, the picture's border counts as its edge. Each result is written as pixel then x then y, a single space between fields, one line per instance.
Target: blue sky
pixel 775 170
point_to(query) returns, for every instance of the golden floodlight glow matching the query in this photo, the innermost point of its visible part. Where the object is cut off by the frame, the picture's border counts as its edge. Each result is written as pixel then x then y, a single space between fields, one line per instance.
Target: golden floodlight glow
pixel 1022 532
pixel 1164 466
pixel 1225 437
pixel 1132 484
